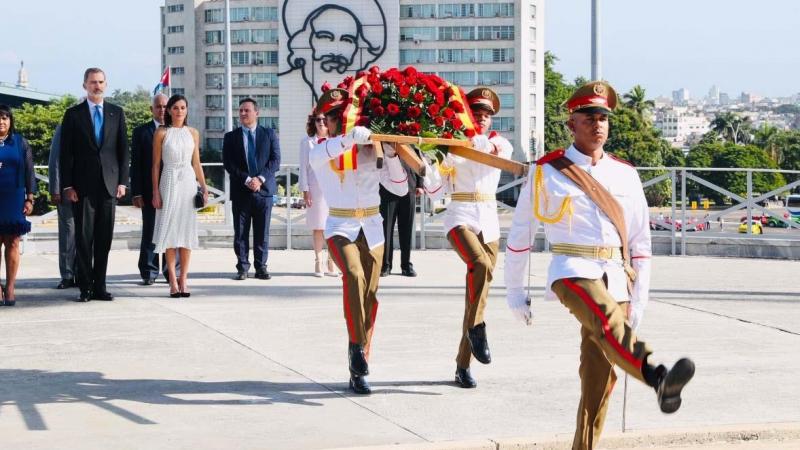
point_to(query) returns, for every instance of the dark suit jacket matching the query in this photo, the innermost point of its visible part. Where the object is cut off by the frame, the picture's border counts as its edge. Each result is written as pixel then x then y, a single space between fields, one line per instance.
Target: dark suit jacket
pixel 142 161
pixel 268 158
pixel 86 167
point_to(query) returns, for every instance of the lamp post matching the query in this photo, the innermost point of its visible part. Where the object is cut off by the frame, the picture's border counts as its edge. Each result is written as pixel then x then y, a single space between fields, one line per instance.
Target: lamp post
pixel 596 72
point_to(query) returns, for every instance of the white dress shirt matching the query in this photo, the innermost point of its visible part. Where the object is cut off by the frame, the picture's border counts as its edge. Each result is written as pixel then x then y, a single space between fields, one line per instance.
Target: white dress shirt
pixel 92 107
pixel 471 176
pixel 587 225
pixel 358 189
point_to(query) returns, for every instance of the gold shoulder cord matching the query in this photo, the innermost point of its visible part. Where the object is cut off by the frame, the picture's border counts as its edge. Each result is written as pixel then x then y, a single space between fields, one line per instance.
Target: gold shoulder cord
pixel 566 205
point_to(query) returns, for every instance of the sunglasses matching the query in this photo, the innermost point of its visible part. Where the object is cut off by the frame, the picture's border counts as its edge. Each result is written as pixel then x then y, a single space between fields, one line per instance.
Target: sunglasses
pixel 319 120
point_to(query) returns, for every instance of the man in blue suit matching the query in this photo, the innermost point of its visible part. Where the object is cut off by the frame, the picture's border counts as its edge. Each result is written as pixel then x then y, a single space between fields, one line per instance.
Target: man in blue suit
pixel 251 156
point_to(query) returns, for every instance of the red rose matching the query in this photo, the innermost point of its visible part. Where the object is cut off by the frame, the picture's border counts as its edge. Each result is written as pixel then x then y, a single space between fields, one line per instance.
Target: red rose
pixel 341 85
pixel 419 97
pixel 456 123
pixel 404 91
pixel 414 112
pixel 411 80
pixel 374 70
pixel 438 121
pixel 433 110
pixel 325 87
pixel 439 98
pixel 414 129
pixel 360 74
pixel 456 105
pixel 393 109
pixel 363 121
pixel 378 111
pixel 347 80
pixel 410 71
pixel 362 91
pixel 377 88
pixel 469 133
pixel 374 102
pixel 448 113
pixel 402 127
pixel 447 135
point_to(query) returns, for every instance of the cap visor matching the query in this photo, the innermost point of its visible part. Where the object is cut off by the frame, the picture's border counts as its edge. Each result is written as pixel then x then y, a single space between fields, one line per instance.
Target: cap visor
pixel 593 110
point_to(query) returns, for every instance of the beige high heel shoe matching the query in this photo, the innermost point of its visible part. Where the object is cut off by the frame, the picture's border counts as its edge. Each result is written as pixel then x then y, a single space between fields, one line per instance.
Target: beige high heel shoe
pixel 331 272
pixel 318 268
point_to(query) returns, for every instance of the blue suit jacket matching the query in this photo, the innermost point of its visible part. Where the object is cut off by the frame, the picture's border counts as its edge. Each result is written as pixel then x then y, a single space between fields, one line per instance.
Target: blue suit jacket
pixel 268 158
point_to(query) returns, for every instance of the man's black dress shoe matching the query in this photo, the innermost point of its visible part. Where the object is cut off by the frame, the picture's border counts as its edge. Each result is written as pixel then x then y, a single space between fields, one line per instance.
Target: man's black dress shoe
pixel 103 296
pixel 263 274
pixel 84 297
pixel 65 284
pixel 409 272
pixel 478 343
pixel 386 271
pixel 464 378
pixel 359 385
pixel 358 361
pixel 148 281
pixel 240 276
pixel 671 383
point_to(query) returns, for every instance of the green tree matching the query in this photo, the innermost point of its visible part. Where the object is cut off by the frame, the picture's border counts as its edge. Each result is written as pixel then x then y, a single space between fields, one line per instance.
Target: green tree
pixel 556 92
pixel 732 127
pixel 37 123
pixel 136 105
pixel 765 138
pixel 636 99
pixel 789 144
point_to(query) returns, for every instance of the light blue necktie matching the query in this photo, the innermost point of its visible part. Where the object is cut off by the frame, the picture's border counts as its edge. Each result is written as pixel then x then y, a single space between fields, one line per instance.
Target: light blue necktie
pixel 98 125
pixel 251 153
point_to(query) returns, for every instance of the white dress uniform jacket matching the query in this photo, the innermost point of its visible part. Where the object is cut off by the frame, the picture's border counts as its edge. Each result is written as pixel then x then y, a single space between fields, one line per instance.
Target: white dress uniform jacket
pixel 471 176
pixel 586 225
pixel 359 189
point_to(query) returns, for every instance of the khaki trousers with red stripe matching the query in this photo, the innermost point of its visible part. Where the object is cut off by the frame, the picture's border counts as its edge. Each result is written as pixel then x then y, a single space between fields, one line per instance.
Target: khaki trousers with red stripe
pixel 480 258
pixel 361 269
pixel 606 340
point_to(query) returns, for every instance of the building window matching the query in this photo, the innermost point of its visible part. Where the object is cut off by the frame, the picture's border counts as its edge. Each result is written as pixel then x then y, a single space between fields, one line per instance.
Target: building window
pixel 178 91
pixel 261 58
pixel 459 78
pixel 263 36
pixel 503 123
pixel 177 70
pixel 240 36
pixel 215 123
pixel 175 8
pixel 533 79
pixel 533 11
pixel 215 80
pixel 533 34
pixel 417 33
pixel 264 80
pixel 496 32
pixel 215 58
pixel 175 50
pixel 456 33
pixel 269 122
pixel 240 80
pixel 507 101
pixel 213 16
pixel 417 56
pixel 457 55
pixel 214 144
pixel 449 10
pixel 494 55
pixel 492 77
pixel 175 29
pixel 533 101
pixel 264 14
pixel 240 14
pixel 417 11
pixel 533 56
pixel 215 101
pixel 495 10
pixel 240 58
pixel 266 101
pixel 214 37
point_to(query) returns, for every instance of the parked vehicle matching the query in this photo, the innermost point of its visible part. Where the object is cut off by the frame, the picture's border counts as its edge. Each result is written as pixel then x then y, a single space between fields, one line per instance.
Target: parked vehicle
pixel 763 219
pixel 793 204
pixel 755 227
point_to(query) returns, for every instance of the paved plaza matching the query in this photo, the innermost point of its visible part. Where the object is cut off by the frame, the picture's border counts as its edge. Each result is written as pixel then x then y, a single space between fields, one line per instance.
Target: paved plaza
pixel 263 364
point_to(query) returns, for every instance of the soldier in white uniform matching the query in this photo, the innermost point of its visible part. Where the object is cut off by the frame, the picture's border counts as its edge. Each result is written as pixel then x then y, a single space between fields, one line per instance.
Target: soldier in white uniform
pixel 345 167
pixel 589 272
pixel 472 227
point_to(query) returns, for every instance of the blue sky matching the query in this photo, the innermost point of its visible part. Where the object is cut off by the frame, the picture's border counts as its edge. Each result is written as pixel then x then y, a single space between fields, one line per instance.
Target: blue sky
pixel 662 45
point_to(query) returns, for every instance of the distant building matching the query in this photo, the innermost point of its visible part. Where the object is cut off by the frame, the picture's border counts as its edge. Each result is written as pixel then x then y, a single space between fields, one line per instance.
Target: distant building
pixel 713 95
pixel 680 97
pixel 681 127
pixel 724 99
pixel 300 44
pixel 15 95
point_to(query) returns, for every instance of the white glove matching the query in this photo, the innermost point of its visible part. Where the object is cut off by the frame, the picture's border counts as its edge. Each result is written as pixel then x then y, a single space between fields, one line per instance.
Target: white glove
pixel 347 141
pixel 636 318
pixel 520 305
pixel 480 142
pixel 361 135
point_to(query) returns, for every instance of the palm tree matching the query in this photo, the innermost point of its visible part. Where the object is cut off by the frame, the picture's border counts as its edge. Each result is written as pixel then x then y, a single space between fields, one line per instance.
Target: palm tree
pixel 765 137
pixel 637 100
pixel 732 127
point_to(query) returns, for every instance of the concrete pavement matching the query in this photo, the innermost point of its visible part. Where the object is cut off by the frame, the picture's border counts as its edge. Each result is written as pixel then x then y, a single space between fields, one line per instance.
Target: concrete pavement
pixel 262 364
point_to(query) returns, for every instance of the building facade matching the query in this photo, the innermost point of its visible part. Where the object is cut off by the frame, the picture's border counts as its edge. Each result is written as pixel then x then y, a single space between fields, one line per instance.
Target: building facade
pixel 282 51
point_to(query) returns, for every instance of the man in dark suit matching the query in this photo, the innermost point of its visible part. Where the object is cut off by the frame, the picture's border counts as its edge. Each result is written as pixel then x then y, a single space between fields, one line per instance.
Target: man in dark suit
pixel 251 156
pixel 94 171
pixel 400 210
pixel 142 191
pixel 66 222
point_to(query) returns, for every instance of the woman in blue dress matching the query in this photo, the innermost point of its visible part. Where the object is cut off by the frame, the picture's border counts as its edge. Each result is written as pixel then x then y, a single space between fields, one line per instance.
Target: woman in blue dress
pixel 17 184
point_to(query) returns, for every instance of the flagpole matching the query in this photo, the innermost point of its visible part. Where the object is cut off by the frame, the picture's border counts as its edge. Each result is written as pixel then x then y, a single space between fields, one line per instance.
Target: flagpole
pixel 169 86
pixel 228 106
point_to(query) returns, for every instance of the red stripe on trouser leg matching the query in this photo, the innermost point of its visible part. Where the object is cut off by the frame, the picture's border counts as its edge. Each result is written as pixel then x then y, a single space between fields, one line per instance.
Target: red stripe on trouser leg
pixel 372 318
pixel 348 315
pixel 610 338
pixel 463 251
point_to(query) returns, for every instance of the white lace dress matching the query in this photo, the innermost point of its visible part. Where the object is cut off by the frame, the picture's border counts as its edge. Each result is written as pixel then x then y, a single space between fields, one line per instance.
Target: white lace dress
pixel 176 221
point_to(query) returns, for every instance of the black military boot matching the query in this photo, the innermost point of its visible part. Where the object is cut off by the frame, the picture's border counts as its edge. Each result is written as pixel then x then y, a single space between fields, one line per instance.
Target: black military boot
pixel 358 361
pixel 359 385
pixel 669 384
pixel 478 343
pixel 464 378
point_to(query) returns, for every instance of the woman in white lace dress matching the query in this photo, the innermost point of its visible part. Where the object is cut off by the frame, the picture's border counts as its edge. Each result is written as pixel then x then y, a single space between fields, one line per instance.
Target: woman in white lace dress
pixel 174 188
pixel 316 207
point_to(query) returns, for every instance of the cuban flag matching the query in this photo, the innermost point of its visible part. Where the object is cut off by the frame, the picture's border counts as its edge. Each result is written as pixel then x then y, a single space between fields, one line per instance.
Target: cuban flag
pixel 163 83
